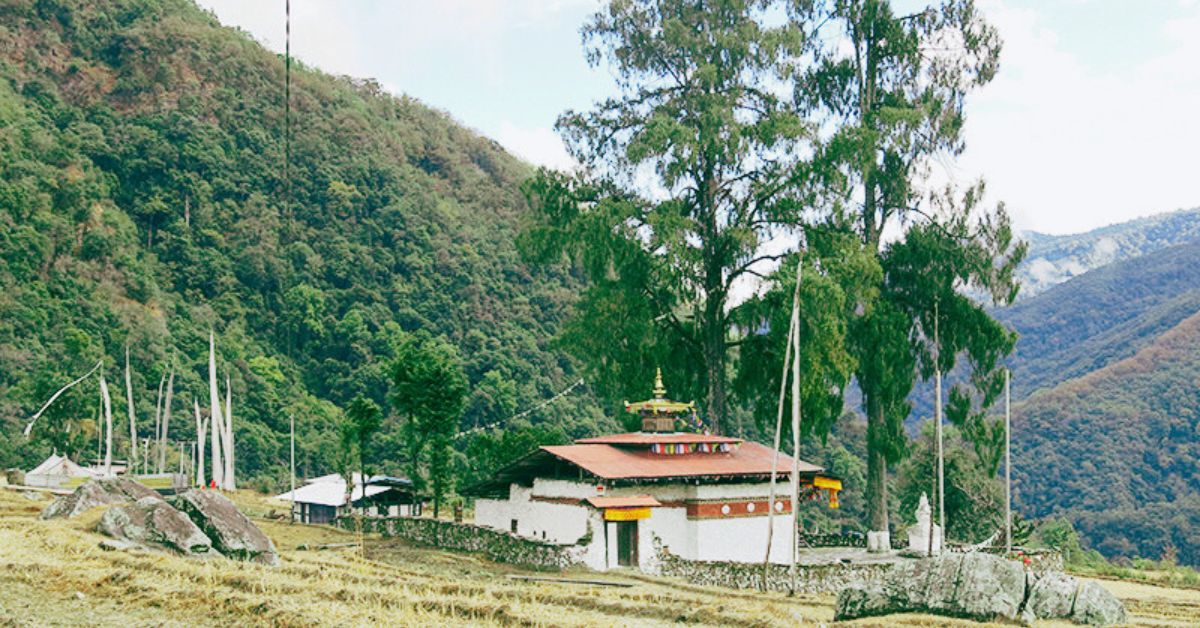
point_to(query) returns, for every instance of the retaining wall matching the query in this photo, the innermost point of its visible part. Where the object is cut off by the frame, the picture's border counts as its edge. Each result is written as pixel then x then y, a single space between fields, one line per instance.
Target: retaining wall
pixel 498 546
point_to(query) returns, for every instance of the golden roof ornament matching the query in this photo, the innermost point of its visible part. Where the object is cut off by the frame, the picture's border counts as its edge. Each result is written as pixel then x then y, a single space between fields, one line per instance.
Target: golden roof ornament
pixel 659 413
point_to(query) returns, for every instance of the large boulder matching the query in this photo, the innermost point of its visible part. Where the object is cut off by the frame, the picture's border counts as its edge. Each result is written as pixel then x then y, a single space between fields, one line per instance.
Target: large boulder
pixel 1095 606
pixel 1051 595
pixel 152 522
pixel 982 587
pixel 98 492
pixel 975 586
pixel 232 533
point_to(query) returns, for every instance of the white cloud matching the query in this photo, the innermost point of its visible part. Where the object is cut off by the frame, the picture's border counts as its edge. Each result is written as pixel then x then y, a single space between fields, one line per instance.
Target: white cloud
pixel 540 146
pixel 1071 148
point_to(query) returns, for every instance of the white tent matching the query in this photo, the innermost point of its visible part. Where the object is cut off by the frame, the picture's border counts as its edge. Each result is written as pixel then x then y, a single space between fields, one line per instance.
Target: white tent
pixel 56 470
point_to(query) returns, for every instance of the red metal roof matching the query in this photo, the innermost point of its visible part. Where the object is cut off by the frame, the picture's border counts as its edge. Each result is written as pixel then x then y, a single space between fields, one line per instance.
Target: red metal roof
pixel 634 501
pixel 615 463
pixel 654 438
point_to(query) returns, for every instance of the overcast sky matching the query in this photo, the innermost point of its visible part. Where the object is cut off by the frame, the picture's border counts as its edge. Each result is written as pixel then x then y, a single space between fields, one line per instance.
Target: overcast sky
pixel 1093 119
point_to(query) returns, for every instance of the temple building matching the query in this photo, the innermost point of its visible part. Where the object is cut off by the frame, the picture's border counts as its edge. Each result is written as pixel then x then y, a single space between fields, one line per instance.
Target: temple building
pixel 696 495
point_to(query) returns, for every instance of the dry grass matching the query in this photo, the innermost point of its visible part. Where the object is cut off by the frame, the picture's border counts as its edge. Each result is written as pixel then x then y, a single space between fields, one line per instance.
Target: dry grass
pixel 46 566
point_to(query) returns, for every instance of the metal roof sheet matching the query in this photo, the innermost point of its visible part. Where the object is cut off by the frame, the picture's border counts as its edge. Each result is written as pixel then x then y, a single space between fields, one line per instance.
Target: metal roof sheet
pixel 616 463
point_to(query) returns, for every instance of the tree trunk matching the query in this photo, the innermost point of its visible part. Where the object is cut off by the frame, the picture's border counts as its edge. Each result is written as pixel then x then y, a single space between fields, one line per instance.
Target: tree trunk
pixel 877 493
pixel 714 359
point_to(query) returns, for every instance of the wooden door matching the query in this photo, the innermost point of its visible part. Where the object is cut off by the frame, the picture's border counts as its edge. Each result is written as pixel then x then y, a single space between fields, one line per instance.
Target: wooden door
pixel 627 543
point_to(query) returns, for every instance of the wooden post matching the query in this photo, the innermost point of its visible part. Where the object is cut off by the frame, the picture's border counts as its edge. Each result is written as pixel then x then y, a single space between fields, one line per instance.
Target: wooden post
pixel 783 380
pixel 199 461
pixel 941 471
pixel 795 432
pixel 1007 464
pixel 133 445
pixel 166 425
pixel 217 422
pixel 158 440
pixel 230 483
pixel 293 494
pixel 108 439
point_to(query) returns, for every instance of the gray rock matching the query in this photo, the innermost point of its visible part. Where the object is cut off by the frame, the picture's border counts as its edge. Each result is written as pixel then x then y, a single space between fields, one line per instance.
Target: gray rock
pixel 98 492
pixel 152 522
pixel 232 533
pixel 1051 596
pixel 982 587
pixel 975 586
pixel 1095 606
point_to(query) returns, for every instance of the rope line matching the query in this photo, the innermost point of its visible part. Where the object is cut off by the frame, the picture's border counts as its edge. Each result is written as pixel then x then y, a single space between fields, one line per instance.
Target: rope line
pixel 566 391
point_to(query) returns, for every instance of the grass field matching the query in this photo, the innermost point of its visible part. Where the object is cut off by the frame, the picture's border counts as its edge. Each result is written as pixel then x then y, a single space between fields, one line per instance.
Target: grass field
pixel 54 573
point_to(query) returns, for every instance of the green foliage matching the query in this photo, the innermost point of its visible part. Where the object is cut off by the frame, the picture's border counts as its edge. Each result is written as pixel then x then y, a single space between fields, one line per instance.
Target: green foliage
pixel 974 495
pixel 429 389
pixel 491 450
pixel 142 203
pixel 699 110
pixel 892 98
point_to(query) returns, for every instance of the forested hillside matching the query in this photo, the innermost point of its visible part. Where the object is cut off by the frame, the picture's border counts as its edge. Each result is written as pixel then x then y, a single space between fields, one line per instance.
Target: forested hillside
pixel 1054 259
pixel 1117 450
pixel 142 203
pixel 1102 316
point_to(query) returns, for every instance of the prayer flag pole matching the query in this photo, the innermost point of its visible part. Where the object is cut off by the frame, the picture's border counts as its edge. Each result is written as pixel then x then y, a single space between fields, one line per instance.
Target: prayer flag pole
pixel 1007 463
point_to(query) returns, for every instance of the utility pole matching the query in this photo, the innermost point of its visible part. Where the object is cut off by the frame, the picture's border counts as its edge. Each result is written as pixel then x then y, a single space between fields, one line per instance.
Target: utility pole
pixel 1007 464
pixel 941 473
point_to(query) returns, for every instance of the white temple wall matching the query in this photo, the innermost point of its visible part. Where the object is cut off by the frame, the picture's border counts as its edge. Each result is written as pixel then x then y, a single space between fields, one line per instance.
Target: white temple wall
pixel 742 539
pixel 548 521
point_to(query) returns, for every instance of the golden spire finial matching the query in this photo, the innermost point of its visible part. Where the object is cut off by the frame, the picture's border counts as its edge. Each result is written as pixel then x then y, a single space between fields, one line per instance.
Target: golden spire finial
pixel 660 392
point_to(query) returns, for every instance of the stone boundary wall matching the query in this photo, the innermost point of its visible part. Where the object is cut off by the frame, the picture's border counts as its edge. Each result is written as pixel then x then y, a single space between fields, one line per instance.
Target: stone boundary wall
pixel 849 539
pixel 501 547
pixel 809 578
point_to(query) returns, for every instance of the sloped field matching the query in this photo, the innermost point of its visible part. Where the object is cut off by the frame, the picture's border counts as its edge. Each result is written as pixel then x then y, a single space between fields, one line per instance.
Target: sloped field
pixel 54 573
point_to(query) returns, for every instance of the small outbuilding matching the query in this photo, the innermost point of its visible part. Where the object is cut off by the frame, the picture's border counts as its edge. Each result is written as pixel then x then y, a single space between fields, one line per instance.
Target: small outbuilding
pixel 321 500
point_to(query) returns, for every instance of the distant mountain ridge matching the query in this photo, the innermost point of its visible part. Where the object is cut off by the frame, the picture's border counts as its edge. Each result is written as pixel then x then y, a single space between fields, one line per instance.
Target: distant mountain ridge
pixel 1053 259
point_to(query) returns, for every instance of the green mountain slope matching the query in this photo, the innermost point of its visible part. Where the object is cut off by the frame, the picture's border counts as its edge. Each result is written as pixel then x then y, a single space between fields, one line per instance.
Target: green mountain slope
pixel 1118 450
pixel 142 203
pixel 1054 259
pixel 1091 321
pixel 1101 316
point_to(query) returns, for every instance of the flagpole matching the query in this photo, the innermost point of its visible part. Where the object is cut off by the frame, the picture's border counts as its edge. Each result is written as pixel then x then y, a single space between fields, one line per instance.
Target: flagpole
pixel 1007 463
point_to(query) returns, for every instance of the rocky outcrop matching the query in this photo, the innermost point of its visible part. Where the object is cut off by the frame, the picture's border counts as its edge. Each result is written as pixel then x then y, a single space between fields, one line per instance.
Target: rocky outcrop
pixel 981 587
pixel 232 533
pixel 98 492
pixel 152 522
